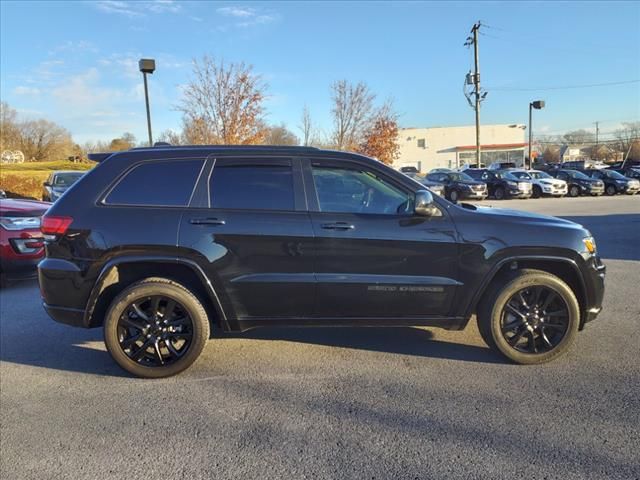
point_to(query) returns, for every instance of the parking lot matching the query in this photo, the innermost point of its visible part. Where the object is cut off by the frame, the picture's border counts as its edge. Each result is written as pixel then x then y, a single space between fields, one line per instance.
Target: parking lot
pixel 377 403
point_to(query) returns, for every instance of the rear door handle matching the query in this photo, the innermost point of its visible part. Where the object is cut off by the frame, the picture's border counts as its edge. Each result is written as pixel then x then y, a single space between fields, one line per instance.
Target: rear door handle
pixel 338 226
pixel 207 221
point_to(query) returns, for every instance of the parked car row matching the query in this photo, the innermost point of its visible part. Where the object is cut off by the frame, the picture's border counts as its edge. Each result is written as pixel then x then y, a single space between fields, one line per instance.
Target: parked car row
pixel 505 183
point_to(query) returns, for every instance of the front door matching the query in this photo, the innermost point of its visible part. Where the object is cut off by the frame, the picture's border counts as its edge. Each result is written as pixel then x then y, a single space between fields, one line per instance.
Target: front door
pixel 254 235
pixel 374 257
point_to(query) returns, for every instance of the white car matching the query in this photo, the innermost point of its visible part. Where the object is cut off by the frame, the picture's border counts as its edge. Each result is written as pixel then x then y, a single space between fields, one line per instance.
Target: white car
pixel 543 183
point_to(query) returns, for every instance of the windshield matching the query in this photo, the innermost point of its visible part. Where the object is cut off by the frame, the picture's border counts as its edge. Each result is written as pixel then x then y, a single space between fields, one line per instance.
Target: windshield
pixel 510 176
pixel 66 179
pixel 577 175
pixel 460 177
pixel 539 175
pixel 521 175
pixel 612 174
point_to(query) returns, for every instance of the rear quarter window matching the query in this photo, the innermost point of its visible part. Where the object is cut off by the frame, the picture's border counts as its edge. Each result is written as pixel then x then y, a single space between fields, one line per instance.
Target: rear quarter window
pixel 166 183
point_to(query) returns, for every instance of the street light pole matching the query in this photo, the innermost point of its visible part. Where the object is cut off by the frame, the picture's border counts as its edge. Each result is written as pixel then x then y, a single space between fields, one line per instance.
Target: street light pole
pixel 476 81
pixel 147 65
pixel 146 100
pixel 538 105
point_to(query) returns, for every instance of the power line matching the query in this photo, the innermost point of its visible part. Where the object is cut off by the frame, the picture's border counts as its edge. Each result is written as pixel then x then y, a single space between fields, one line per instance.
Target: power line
pixel 564 87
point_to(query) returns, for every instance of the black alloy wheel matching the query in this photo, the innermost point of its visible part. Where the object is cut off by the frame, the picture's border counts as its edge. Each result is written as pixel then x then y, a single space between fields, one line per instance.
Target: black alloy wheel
pixel 155 331
pixel 499 193
pixel 535 320
pixel 574 191
pixel 611 190
pixel 156 328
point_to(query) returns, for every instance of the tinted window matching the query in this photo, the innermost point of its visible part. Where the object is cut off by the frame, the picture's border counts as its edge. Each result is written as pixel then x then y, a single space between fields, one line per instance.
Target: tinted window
pixel 345 190
pixel 255 187
pixel 161 183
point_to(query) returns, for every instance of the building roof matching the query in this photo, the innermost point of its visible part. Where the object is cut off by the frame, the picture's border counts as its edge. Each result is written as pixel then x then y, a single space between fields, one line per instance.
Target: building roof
pixel 491 146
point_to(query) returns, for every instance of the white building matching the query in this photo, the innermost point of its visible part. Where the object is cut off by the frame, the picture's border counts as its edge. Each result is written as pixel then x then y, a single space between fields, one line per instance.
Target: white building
pixel 452 147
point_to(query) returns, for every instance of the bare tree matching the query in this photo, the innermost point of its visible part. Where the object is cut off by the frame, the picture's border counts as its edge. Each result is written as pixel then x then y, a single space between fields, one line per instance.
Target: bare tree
pixel 352 113
pixel 170 136
pixel 306 126
pixel 9 133
pixel 44 140
pixel 627 135
pixel 280 135
pixel 579 136
pixel 125 142
pixel 223 103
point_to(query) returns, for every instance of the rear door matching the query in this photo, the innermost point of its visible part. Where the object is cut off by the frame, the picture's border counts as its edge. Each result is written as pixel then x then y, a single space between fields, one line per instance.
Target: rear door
pixel 253 233
pixel 374 257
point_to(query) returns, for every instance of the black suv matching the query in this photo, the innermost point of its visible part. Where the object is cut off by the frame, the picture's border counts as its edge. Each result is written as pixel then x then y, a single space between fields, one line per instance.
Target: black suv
pixel 614 182
pixel 578 183
pixel 158 245
pixel 459 186
pixel 502 184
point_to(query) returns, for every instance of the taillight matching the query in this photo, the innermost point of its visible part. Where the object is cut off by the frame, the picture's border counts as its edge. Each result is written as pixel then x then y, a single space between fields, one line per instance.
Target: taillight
pixel 52 225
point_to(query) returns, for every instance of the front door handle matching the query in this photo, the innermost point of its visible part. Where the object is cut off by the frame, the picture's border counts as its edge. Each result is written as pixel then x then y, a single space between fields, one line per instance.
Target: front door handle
pixel 207 221
pixel 338 226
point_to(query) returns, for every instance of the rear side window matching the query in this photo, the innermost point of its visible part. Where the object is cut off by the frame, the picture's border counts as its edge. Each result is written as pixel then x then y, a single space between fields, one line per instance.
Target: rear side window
pixel 163 183
pixel 253 187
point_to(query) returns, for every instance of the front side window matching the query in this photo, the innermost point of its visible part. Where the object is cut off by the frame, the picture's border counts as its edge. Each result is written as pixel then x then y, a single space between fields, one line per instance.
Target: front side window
pixel 352 190
pixel 158 183
pixel 252 187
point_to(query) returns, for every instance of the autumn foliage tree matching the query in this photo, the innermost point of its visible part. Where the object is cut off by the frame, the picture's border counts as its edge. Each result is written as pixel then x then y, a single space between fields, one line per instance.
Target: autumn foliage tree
pixel 381 138
pixel 223 104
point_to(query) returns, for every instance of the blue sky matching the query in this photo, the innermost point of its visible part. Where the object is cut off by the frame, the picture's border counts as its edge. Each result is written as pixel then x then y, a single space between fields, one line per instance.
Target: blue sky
pixel 76 62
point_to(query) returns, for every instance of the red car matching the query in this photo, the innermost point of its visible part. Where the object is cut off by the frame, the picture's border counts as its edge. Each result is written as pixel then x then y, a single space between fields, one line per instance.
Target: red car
pixel 21 242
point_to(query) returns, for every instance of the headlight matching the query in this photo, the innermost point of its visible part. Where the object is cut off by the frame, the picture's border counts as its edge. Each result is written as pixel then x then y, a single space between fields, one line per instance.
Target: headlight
pixel 20 223
pixel 590 244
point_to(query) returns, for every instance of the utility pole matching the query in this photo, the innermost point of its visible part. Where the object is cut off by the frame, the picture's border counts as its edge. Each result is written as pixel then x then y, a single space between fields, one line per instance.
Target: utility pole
pixel 476 82
pixel 597 134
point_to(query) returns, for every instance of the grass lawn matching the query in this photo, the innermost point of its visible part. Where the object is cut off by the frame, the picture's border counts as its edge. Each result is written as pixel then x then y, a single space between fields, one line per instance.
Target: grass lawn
pixel 24 180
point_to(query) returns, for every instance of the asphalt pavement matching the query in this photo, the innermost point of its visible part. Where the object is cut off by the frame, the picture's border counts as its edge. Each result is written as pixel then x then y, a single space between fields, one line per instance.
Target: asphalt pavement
pixel 376 403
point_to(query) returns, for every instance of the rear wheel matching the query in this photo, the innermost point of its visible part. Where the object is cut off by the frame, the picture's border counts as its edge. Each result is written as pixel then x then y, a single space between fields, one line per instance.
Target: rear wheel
pixel 574 191
pixel 531 317
pixel 155 328
pixel 537 191
pixel 611 190
pixel 454 196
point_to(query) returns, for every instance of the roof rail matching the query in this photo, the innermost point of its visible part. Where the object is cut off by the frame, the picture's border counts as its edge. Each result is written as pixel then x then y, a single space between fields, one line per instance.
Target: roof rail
pixel 295 148
pixel 99 157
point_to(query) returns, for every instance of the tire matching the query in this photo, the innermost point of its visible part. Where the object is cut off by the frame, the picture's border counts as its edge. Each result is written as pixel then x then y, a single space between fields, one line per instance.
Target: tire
pixel 574 191
pixel 499 193
pixel 537 191
pixel 558 332
pixel 189 340
pixel 454 196
pixel 611 190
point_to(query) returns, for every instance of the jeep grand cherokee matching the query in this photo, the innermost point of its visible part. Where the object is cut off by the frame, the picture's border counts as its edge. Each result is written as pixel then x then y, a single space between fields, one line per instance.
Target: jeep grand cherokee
pixel 158 245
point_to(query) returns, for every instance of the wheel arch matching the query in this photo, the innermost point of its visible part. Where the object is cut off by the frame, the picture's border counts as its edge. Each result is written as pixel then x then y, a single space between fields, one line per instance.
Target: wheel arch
pixel 118 273
pixel 564 268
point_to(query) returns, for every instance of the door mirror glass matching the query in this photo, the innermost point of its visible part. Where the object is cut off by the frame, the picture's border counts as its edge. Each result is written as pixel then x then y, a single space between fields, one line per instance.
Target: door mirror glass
pixel 424 204
pixel 46 184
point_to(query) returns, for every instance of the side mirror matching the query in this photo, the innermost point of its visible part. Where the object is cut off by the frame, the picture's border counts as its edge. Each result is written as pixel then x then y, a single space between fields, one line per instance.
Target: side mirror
pixel 46 184
pixel 424 204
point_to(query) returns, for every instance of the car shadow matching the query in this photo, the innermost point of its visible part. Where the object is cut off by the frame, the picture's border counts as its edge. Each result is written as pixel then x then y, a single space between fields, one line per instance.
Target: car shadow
pixel 616 235
pixel 395 340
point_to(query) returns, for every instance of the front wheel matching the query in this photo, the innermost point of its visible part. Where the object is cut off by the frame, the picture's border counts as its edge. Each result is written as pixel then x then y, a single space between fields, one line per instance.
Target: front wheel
pixel 537 191
pixel 155 328
pixel 499 193
pixel 611 190
pixel 531 317
pixel 574 191
pixel 454 196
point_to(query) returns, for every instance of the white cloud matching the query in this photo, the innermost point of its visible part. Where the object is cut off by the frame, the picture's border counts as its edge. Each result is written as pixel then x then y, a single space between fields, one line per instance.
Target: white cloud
pixel 74 47
pixel 30 91
pixel 246 17
pixel 138 8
